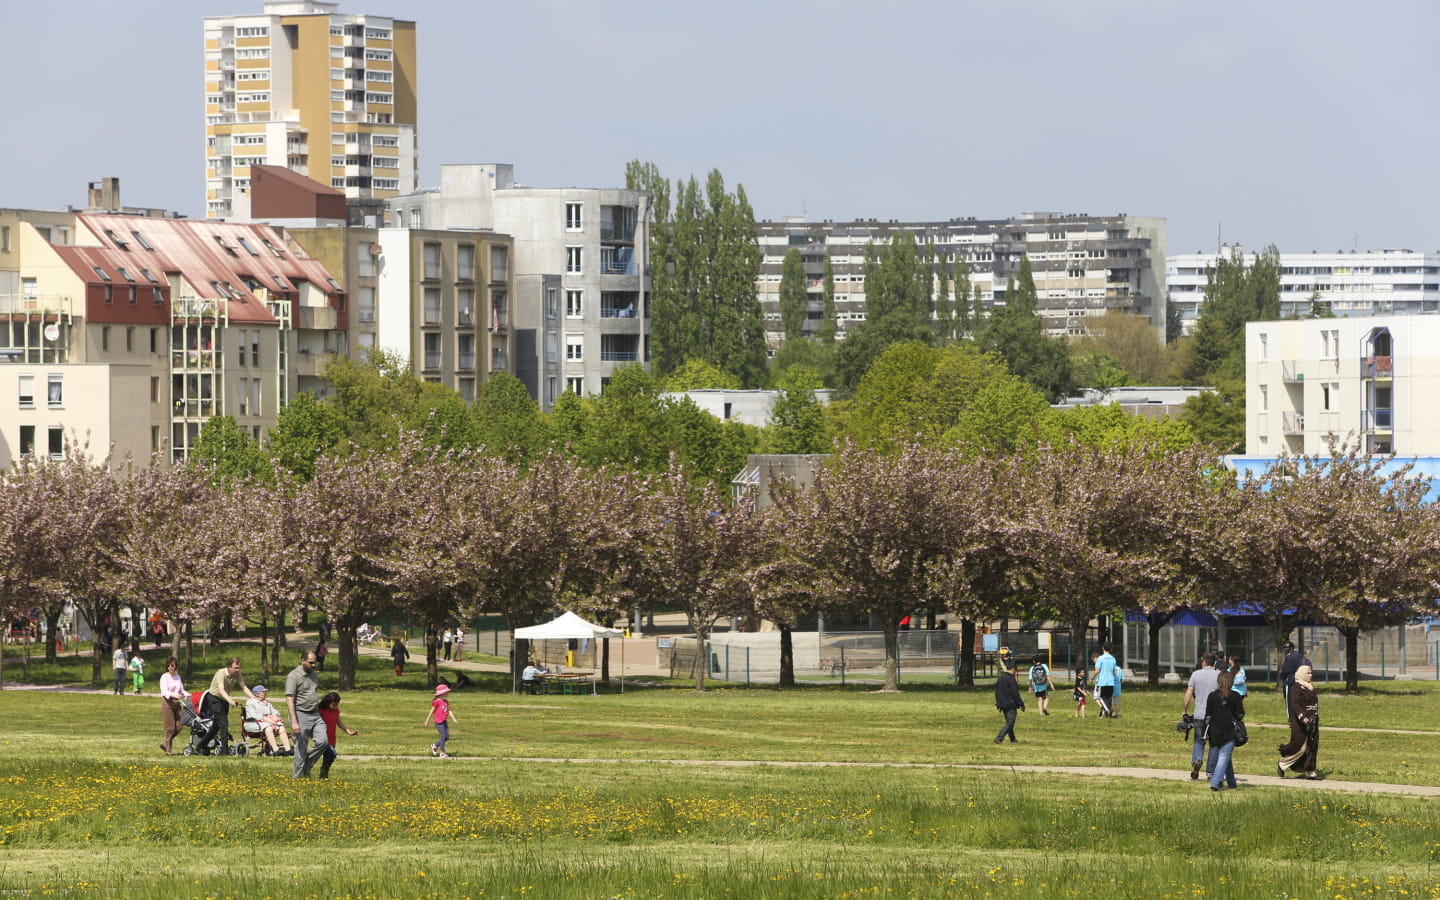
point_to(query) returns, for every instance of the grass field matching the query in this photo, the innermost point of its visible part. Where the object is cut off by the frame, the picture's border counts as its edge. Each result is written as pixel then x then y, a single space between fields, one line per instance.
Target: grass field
pixel 94 809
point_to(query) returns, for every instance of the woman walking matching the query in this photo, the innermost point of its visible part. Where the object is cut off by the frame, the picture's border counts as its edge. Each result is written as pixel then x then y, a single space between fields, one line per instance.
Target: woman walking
pixel 172 691
pixel 1304 744
pixel 398 655
pixel 1223 711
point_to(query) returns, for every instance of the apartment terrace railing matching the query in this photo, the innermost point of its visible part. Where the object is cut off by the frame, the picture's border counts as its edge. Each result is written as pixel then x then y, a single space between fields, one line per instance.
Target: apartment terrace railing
pixel 617 312
pixel 1290 370
pixel 609 232
pixel 619 355
pixel 20 304
pixel 1377 420
pixel 1292 422
pixel 1377 367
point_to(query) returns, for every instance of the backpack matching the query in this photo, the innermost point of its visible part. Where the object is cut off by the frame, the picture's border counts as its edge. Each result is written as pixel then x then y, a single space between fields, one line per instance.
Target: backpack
pixel 1038 678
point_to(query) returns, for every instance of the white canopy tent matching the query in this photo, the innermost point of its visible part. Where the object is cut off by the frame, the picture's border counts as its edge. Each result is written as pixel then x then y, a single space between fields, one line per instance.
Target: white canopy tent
pixel 570 627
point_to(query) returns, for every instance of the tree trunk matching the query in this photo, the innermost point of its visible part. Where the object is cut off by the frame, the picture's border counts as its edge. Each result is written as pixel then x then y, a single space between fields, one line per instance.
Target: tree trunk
pixel 787 656
pixel 52 623
pixel 605 661
pixel 189 649
pixel 345 631
pixel 702 659
pixel 1352 657
pixel 1152 655
pixel 892 654
pixel 967 654
pixel 279 634
pixel 432 656
pixel 265 647
pixel 1077 643
pixel 519 658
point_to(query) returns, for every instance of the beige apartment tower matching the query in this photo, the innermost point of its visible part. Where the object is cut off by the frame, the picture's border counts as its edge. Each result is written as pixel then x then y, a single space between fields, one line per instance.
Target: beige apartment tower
pixel 328 95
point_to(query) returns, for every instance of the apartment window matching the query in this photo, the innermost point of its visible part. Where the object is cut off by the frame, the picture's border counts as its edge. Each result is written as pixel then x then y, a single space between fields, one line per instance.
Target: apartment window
pixel 465 306
pixel 253 31
pixel 366 342
pixel 104 276
pixel 551 303
pixel 243 406
pixel 576 385
pixel 55 391
pixel 255 389
pixel 154 389
pixel 575 347
pixel 432 351
pixel 105 338
pixel 550 351
pixel 465 262
pixel 130 339
pixel 573 260
pixel 365 259
pixel 57 442
pixel 373 97
pixel 573 221
pixel 149 276
pixel 4 238
pixel 1327 398
pixel 27 440
pixel 1264 398
pixel 255 348
pixel 499 264
pixel 367 304
pixel 27 391
pixel 154 340
pixel 1264 347
pixel 244 332
pixel 432 306
pixel 241 240
pixel 432 261
pixel 130 294
pixel 574 304
pixel 466 348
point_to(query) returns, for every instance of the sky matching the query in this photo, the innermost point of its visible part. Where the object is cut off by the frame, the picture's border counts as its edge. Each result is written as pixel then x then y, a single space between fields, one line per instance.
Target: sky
pixel 1309 125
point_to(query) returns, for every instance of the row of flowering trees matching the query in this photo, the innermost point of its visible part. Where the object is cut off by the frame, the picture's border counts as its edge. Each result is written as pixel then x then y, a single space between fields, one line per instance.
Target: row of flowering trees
pixel 1068 533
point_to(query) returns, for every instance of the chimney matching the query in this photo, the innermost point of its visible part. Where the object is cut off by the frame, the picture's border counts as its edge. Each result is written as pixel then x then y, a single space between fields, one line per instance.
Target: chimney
pixel 105 194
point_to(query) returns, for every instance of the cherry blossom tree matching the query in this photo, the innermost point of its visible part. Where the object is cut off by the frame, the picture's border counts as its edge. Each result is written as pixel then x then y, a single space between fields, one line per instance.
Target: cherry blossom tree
pixel 699 551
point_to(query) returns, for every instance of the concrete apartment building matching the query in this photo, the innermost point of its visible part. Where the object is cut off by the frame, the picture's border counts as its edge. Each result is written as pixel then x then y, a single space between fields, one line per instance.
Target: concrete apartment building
pixel 1366 283
pixel 439 298
pixel 580 309
pixel 303 86
pixel 139 329
pixel 1367 380
pixel 1083 265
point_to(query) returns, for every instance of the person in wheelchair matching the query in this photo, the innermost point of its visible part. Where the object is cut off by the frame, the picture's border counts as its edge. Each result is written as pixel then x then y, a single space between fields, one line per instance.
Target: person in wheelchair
pixel 262 720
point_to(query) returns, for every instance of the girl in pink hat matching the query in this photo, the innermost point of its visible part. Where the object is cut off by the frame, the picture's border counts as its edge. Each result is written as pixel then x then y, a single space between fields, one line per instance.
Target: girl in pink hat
pixel 441 715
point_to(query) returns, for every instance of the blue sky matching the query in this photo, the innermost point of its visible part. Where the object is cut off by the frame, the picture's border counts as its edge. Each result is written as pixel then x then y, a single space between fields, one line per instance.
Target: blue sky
pixel 1309 125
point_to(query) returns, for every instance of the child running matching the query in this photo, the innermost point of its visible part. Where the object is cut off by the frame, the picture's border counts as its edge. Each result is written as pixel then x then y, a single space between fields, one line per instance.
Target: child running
pixel 1081 685
pixel 329 712
pixel 441 715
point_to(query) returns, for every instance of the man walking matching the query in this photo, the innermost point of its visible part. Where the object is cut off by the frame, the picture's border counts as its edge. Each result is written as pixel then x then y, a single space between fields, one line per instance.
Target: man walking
pixel 302 700
pixel 1007 700
pixel 1104 680
pixel 1201 686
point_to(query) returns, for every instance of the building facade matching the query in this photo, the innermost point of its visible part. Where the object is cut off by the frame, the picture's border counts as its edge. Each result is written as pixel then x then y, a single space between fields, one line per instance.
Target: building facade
pixel 1365 381
pixel 211 312
pixel 1083 265
pixel 578 264
pixel 1369 283
pixel 302 86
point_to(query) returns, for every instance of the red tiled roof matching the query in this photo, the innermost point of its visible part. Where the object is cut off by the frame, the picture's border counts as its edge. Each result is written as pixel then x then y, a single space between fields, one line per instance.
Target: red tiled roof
pixel 205 254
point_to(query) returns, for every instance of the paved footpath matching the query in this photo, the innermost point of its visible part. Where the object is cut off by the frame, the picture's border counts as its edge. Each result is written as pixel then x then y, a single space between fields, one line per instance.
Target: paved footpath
pixel 1356 787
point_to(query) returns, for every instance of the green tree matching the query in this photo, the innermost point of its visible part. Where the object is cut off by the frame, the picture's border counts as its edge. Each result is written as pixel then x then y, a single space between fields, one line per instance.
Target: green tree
pixel 1098 369
pixel 705 260
pixel 1131 341
pixel 229 452
pixel 1235 293
pixel 305 429
pixel 828 326
pixel 793 298
pixel 797 421
pixel 1218 417
pixel 963 317
pixel 897 308
pixel 816 355
pixel 507 421
pixel 1017 334
pixel 699 375
pixel 944 309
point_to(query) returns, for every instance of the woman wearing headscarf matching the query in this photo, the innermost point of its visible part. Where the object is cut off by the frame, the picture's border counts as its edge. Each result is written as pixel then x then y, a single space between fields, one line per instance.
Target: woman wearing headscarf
pixel 1222 711
pixel 1304 744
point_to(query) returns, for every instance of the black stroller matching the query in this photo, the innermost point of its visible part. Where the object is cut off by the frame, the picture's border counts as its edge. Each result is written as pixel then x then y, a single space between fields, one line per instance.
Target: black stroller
pixel 209 735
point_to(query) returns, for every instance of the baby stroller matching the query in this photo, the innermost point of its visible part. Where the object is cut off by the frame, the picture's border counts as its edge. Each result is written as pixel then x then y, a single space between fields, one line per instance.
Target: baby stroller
pixel 208 734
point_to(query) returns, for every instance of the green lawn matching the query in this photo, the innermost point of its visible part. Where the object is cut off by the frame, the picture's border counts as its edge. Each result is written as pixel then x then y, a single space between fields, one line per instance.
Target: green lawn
pixel 95 810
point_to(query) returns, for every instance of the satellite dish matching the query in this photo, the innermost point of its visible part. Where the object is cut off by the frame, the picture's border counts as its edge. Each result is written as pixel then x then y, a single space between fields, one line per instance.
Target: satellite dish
pixel 52 333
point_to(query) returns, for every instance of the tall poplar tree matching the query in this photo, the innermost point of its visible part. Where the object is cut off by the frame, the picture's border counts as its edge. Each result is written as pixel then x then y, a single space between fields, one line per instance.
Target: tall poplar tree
pixel 1017 334
pixel 962 299
pixel 792 295
pixel 828 325
pixel 705 259
pixel 944 310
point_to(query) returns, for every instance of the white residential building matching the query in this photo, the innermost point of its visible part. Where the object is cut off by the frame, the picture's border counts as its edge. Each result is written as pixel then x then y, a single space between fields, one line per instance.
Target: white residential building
pixel 1369 381
pixel 1369 283
pixel 1083 265
pixel 580 310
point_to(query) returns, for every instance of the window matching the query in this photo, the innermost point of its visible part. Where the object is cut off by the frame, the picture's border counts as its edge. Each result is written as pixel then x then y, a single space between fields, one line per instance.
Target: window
pixel 253 31
pixel 149 276
pixel 432 306
pixel 4 238
pixel 367 304
pixel 1327 397
pixel 574 304
pixel 466 347
pixel 27 440
pixel 378 55
pixel 573 221
pixel 243 407
pixel 432 261
pixel 130 291
pixel 365 259
pixel 246 244
pixel 465 306
pixel 255 348
pixel 57 442
pixel 550 351
pixel 1264 398
pixel 573 260
pixel 244 336
pixel 373 97
pixel 378 75
pixel 253 97
pixel 255 390
pixel 377 34
pixel 105 338
pixel 576 385
pixel 27 391
pixel 101 272
pixel 55 391
pixel 551 303
pixel 130 339
pixel 574 347
pixel 154 340
pixel 465 262
pixel 499 264
pixel 154 389
pixel 432 351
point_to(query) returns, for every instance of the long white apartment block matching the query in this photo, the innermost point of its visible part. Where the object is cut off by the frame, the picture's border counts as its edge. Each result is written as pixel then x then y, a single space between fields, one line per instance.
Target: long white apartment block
pixel 1367 381
pixel 1350 283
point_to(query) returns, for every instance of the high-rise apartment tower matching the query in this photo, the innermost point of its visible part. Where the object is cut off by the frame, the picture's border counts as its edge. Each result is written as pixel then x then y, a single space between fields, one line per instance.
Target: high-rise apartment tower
pixel 327 95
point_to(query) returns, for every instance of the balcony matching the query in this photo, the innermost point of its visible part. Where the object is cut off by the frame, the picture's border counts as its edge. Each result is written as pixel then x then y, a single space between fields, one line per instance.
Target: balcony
pixel 1290 370
pixel 1377 367
pixel 1292 422
pixel 613 232
pixel 498 360
pixel 499 318
pixel 309 363
pixel 194 359
pixel 617 312
pixel 321 318
pixel 1377 420
pixel 38 304
pixel 196 308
